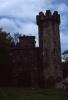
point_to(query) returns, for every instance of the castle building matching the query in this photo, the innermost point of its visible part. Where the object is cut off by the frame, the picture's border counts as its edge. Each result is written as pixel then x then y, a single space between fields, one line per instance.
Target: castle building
pixel 49 45
pixel 32 66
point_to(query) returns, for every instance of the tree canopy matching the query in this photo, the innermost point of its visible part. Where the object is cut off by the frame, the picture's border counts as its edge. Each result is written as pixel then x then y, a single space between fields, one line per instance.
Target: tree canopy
pixel 65 52
pixel 65 55
pixel 5 39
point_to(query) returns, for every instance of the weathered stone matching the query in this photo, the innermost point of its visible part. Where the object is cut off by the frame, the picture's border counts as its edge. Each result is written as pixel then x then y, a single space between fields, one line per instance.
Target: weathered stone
pixel 31 66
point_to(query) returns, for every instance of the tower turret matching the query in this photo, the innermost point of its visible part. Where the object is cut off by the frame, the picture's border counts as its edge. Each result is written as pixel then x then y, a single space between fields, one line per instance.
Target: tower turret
pixel 49 43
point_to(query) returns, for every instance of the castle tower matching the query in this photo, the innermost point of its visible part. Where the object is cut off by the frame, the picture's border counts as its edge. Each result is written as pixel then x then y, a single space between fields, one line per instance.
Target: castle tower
pixel 49 44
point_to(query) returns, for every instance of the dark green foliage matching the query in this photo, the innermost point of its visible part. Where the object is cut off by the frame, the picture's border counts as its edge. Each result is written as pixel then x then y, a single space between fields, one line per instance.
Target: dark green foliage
pixel 5 39
pixel 5 43
pixel 65 52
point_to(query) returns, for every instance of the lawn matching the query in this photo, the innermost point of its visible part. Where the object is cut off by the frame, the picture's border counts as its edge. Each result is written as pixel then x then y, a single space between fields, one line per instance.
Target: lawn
pixel 32 94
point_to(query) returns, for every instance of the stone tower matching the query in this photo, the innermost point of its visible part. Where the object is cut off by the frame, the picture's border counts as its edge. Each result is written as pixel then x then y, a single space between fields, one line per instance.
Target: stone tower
pixel 49 44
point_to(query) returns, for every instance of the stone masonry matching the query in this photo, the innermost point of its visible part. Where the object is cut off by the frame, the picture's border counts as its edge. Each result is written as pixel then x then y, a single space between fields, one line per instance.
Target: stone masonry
pixel 31 66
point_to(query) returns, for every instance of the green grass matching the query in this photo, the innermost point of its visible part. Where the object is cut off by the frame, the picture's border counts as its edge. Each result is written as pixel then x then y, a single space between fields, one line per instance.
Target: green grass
pixel 32 94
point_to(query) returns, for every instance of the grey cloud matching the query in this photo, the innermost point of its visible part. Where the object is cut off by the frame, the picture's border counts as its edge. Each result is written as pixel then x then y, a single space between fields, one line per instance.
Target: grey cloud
pixel 8 25
pixel 20 16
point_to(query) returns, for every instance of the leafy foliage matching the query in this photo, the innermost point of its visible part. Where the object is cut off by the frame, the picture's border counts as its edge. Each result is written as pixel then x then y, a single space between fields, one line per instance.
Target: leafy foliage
pixel 65 55
pixel 5 39
pixel 65 52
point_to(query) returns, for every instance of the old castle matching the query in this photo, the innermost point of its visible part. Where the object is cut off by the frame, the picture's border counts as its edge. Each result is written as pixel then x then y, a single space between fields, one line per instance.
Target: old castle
pixel 32 66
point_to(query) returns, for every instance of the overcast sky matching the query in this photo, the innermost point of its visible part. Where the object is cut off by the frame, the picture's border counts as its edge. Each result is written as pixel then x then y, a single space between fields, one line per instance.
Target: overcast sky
pixel 20 16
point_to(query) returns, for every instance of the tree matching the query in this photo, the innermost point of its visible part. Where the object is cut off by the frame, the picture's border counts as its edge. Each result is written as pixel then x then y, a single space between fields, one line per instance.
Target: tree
pixel 5 39
pixel 65 55
pixel 16 37
pixel 5 43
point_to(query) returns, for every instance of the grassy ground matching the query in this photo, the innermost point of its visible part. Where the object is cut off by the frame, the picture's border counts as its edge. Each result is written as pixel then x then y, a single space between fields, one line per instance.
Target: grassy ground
pixel 32 94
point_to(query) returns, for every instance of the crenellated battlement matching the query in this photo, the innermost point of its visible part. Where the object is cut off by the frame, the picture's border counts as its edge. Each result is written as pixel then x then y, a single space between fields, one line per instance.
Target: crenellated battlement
pixel 56 17
pixel 48 16
pixel 40 18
